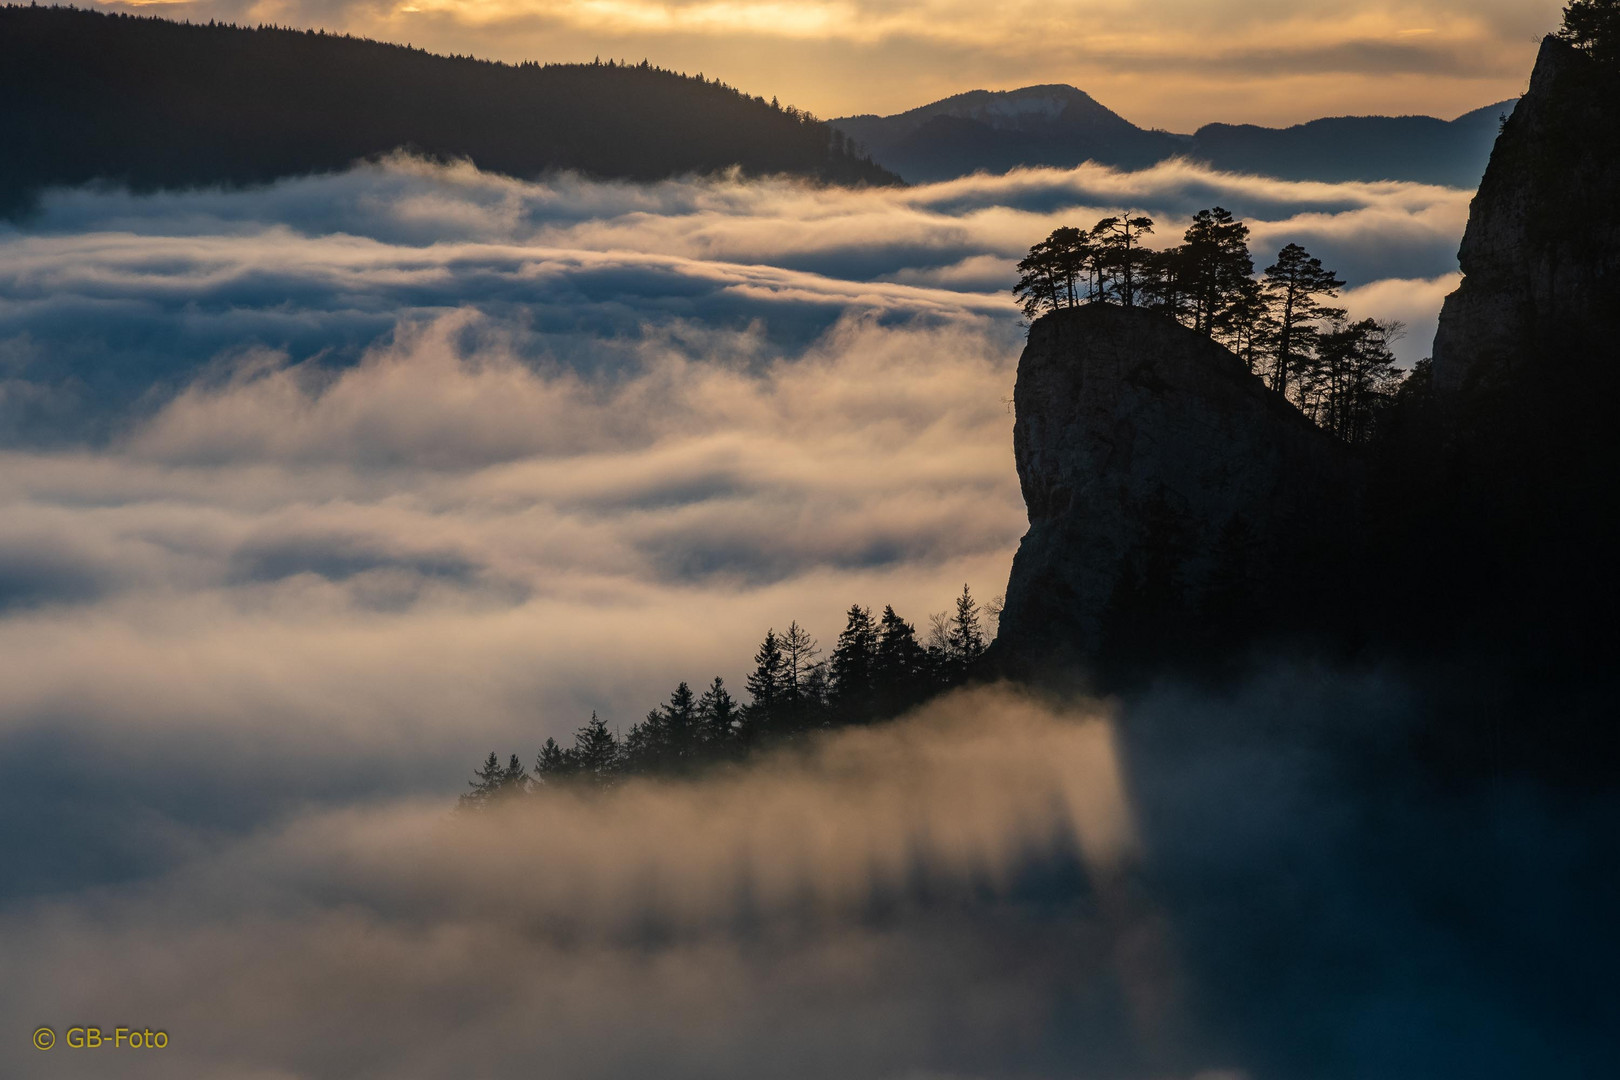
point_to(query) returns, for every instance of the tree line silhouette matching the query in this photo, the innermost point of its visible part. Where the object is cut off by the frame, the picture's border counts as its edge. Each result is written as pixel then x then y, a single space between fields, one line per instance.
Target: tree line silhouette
pixel 1340 373
pixel 878 668
pixel 87 95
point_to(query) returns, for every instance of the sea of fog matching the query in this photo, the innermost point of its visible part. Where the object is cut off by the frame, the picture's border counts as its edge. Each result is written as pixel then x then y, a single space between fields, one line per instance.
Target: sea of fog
pixel 313 494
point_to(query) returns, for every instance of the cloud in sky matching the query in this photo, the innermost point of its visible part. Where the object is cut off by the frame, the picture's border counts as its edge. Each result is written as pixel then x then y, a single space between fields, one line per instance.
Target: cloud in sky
pixel 1168 63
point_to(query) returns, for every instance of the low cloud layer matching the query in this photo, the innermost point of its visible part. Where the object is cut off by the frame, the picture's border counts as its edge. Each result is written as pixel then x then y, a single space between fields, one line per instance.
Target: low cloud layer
pixel 110 304
pixel 312 495
pixel 401 464
pixel 996 887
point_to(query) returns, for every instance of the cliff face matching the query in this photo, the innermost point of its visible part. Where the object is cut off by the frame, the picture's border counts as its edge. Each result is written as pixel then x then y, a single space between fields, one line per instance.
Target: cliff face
pixel 1541 256
pixel 1170 493
pixel 1178 509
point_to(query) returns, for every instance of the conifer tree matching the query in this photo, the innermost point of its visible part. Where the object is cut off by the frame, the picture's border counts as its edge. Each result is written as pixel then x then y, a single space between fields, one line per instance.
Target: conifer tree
pixel 965 636
pixel 553 764
pixel 1117 242
pixel 900 665
pixel 718 716
pixel 487 785
pixel 1218 270
pixel 514 778
pixel 854 663
pixel 1293 288
pixel 682 735
pixel 596 753
pixel 765 688
pixel 1594 25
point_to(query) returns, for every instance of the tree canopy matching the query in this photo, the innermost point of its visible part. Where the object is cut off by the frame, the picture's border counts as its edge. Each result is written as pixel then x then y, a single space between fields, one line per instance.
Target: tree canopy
pixel 1594 26
pixel 877 670
pixel 1282 323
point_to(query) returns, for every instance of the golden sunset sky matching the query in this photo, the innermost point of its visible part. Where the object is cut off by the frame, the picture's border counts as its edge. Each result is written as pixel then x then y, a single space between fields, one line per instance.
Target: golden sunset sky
pixel 1161 63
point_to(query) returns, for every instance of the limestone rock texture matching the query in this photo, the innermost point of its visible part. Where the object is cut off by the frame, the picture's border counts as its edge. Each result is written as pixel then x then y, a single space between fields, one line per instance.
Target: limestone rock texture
pixel 1167 488
pixel 1541 254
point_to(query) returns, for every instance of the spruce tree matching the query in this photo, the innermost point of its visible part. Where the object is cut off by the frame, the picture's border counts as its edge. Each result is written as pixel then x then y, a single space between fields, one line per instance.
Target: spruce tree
pixel 965 636
pixel 553 765
pixel 514 778
pixel 900 665
pixel 596 753
pixel 718 717
pixel 854 664
pixel 682 736
pixel 765 689
pixel 486 786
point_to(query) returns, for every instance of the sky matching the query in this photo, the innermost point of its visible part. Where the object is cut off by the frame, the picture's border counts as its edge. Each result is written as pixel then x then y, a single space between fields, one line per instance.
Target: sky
pixel 1174 64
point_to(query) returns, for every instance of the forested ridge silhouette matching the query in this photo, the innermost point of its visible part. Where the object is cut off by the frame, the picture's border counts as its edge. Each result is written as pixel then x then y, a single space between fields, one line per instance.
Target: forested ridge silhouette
pixel 151 103
pixel 878 669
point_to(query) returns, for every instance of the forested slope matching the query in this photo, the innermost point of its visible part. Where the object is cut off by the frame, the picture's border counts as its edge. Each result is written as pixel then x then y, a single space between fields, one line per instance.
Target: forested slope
pixel 152 103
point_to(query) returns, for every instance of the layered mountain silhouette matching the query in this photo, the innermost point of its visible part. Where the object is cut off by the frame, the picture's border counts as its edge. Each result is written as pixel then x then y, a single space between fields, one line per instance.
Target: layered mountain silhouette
pixel 1056 125
pixel 153 104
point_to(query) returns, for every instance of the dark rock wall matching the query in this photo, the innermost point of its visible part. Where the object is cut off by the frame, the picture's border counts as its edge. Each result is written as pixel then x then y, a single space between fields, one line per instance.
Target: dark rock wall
pixel 1541 256
pixel 1171 495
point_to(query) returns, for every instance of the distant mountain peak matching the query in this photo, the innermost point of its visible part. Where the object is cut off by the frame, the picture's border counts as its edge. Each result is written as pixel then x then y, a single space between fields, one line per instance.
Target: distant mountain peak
pixel 1024 109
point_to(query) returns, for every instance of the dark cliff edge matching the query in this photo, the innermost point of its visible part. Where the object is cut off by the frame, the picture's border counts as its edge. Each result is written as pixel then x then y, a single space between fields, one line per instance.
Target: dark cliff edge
pixel 1173 498
pixel 1182 514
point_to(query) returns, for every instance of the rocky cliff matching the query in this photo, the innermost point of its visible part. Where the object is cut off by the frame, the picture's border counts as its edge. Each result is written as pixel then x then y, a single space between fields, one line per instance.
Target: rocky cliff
pixel 1180 510
pixel 1171 495
pixel 1541 256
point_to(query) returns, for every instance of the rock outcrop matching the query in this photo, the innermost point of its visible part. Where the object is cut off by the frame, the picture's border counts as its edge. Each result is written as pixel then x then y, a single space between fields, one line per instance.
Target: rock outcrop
pixel 1180 510
pixel 1541 256
pixel 1171 494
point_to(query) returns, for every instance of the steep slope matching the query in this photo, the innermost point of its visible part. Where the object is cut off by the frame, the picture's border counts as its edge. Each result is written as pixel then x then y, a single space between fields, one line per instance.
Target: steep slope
pixel 151 103
pixel 1178 510
pixel 1541 254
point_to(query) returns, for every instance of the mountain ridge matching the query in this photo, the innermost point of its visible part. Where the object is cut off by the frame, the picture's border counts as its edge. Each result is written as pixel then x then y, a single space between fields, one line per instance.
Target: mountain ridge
pixel 964 133
pixel 153 104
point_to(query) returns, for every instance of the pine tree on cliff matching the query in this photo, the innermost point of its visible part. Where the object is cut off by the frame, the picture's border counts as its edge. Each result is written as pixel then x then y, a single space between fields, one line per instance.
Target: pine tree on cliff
pixel 1219 272
pixel 1594 25
pixel 1352 379
pixel 1049 277
pixel 1294 286
pixel 1118 245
